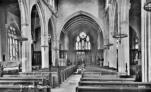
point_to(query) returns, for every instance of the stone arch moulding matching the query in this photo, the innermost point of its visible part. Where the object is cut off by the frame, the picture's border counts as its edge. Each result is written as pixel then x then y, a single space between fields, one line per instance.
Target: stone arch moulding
pixel 84 13
pixel 41 16
pixel 51 20
pixel 23 14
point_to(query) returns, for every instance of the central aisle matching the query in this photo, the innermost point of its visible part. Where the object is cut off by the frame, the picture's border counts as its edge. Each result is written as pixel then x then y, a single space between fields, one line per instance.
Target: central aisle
pixel 69 85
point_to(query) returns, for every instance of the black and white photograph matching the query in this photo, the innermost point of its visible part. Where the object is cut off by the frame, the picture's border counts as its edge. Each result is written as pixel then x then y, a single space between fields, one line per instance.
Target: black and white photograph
pixel 75 45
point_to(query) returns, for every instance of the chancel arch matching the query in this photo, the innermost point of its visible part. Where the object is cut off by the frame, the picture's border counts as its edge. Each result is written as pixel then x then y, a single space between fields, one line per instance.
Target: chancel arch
pixel 81 40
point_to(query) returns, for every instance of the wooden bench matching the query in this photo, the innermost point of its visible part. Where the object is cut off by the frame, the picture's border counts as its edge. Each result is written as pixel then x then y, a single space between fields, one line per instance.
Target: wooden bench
pixel 94 69
pixel 108 79
pixel 97 80
pixel 58 78
pixel 111 89
pixel 111 84
pixel 102 73
pixel 47 75
pixel 23 88
pixel 100 76
pixel 26 82
pixel 18 83
pixel 18 88
pixel 41 80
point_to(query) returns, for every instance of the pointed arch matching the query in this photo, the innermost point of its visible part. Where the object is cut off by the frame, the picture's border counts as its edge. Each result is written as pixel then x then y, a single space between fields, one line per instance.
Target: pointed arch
pixel 93 18
pixel 41 16
pixel 84 18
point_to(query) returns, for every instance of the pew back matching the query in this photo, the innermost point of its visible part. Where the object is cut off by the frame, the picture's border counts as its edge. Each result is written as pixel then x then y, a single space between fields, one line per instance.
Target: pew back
pixel 111 89
pixel 114 84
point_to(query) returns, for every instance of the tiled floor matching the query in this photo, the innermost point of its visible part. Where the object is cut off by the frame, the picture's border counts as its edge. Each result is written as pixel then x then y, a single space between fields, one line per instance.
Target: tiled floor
pixel 69 85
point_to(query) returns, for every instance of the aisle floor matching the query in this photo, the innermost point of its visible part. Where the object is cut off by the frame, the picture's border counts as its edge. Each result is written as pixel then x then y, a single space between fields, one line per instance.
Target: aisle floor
pixel 68 85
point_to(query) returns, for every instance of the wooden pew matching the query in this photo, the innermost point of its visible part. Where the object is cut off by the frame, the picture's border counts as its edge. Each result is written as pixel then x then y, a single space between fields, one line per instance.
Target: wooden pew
pixel 102 72
pixel 25 82
pixel 111 89
pixel 43 75
pixel 108 79
pixel 100 76
pixel 114 84
pixel 18 88
pixel 23 88
pixel 97 80
pixel 38 79
pixel 18 83
pixel 91 76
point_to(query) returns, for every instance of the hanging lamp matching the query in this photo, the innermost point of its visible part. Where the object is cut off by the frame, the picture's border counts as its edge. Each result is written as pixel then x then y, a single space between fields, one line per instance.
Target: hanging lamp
pixel 147 5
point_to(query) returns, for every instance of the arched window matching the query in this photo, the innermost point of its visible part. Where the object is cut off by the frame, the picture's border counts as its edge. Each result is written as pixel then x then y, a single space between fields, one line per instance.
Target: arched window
pixel 13 44
pixel 83 42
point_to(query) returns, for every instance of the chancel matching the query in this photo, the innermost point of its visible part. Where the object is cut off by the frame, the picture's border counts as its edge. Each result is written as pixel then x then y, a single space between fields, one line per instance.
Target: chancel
pixel 75 45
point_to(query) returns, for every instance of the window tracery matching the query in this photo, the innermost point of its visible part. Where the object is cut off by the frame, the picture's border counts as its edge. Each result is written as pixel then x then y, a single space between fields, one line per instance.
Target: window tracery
pixel 83 42
pixel 13 44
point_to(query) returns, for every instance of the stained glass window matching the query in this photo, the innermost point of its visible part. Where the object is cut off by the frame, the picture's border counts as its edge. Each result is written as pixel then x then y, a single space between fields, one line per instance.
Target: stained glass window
pixel 83 42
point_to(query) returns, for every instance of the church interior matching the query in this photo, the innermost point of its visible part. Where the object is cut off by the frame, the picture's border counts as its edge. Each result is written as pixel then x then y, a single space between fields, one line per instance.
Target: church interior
pixel 75 45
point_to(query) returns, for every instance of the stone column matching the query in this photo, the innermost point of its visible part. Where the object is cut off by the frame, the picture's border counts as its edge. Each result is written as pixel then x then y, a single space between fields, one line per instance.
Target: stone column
pixel 123 27
pixel 44 45
pixel 112 30
pixel 26 45
pixel 99 42
pixel 145 44
pixel 0 46
pixel 66 42
pixel 106 41
pixel 105 62
pixel 56 49
pixel 26 49
pixel 45 56
pixel 66 47
pixel 53 51
pixel 149 47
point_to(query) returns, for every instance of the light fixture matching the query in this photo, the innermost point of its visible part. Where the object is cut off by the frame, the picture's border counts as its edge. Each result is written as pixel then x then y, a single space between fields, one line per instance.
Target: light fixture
pixel 107 46
pixel 147 5
pixel 119 36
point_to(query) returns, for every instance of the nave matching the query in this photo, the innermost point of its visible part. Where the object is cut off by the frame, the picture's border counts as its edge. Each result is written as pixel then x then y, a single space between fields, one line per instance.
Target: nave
pixel 42 42
pixel 101 79
pixel 74 78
